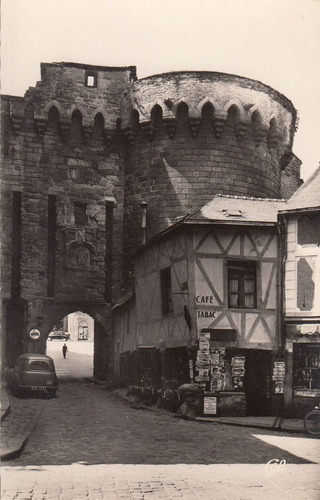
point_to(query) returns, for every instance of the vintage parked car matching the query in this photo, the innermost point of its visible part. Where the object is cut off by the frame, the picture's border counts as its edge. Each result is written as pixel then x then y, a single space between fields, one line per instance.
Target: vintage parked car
pixel 59 336
pixel 32 373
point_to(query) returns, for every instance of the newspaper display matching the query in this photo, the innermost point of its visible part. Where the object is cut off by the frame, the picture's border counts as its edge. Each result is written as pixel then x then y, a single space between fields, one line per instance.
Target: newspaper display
pixel 238 371
pixel 278 376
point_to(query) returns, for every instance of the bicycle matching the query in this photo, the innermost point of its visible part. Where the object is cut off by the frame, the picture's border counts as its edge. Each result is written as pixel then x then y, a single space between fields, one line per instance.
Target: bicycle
pixel 144 392
pixel 311 421
pixel 169 397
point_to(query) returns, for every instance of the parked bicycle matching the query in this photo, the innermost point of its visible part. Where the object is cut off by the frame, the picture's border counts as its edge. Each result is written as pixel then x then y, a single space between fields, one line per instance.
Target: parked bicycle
pixel 145 392
pixel 312 421
pixel 169 397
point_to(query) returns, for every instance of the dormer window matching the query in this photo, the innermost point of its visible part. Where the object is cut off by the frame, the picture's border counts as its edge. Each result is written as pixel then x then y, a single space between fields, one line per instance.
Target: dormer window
pixel 91 79
pixel 232 213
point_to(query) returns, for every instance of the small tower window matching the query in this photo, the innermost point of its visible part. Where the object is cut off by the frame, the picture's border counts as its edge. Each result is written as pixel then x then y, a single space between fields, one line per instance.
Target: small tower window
pixel 80 214
pixel 91 79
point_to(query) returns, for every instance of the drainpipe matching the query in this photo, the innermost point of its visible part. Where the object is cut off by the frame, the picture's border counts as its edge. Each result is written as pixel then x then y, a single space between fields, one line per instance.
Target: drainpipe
pixel 282 228
pixel 144 205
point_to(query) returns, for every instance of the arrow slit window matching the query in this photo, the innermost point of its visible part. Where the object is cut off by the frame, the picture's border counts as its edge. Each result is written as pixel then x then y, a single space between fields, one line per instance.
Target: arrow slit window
pixel 242 284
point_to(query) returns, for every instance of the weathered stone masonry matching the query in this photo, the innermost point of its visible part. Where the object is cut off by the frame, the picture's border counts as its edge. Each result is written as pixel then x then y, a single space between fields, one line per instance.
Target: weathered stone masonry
pixel 86 146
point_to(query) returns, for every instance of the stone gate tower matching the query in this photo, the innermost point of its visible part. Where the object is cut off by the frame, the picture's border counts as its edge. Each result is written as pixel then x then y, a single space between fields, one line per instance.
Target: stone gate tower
pixel 85 147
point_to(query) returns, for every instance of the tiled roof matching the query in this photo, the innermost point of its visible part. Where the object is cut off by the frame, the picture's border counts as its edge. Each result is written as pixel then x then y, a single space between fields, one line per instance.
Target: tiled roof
pixel 307 196
pixel 238 209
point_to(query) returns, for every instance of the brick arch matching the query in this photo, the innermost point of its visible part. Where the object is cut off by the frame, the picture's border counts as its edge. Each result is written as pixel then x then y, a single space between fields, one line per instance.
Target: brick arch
pixel 273 133
pixel 153 105
pixel 53 119
pixel 206 106
pixel 34 104
pixel 134 117
pixel 28 120
pixel 102 112
pixel 206 100
pixel 156 116
pixel 257 112
pixel 78 107
pixel 57 105
pixel 258 126
pixel 180 104
pixel 76 135
pixel 98 126
pixel 235 103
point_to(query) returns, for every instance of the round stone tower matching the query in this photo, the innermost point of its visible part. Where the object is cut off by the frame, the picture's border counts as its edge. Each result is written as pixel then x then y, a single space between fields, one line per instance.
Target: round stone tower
pixel 191 135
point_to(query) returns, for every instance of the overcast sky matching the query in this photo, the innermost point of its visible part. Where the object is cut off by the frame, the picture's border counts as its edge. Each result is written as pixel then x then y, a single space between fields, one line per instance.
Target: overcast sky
pixel 274 41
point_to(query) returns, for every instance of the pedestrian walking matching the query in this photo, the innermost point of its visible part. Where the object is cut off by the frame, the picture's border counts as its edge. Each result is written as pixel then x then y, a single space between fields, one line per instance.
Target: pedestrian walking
pixel 64 350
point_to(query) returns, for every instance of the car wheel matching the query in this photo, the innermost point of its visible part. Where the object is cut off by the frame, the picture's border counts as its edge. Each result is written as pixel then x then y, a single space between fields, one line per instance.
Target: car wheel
pixel 52 392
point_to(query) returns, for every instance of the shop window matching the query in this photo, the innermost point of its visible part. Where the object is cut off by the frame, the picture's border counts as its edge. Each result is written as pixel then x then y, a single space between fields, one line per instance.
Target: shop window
pixel 306 370
pixel 242 284
pixel 80 214
pixel 83 330
pixel 166 293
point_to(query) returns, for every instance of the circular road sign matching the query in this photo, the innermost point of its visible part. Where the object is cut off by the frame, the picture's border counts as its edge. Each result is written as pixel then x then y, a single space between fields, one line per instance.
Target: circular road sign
pixel 34 334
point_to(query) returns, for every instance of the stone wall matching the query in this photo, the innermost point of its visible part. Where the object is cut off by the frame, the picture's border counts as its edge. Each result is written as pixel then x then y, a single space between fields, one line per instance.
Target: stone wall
pixel 62 144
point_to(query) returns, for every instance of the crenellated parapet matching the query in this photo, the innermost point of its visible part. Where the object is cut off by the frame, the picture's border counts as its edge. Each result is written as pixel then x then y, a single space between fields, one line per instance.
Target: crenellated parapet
pixel 254 109
pixel 73 103
pixel 71 126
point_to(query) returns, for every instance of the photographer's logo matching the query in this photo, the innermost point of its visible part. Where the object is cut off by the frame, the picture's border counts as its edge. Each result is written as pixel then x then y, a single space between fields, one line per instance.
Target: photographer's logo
pixel 274 466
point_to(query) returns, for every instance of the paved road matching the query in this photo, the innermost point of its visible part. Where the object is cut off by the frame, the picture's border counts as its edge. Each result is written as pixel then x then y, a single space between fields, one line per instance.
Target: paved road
pixel 79 360
pixel 88 443
pixel 88 424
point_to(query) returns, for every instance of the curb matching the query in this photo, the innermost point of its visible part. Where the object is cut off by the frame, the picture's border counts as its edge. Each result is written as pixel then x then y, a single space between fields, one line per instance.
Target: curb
pixel 6 412
pixel 5 403
pixel 265 427
pixel 9 455
pixel 278 428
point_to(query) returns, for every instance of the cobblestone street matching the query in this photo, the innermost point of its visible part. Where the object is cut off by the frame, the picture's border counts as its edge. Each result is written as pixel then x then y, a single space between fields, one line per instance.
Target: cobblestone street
pixel 89 424
pixel 85 429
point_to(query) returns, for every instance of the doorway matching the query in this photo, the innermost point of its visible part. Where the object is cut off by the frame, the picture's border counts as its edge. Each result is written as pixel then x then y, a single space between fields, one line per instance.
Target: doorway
pixel 257 382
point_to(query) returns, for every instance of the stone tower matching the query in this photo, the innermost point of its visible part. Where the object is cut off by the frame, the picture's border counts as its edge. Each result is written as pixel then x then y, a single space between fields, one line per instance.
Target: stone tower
pixel 191 135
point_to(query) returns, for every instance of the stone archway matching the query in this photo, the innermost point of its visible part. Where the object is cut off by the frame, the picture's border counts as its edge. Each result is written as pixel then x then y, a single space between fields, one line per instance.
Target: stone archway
pixel 103 332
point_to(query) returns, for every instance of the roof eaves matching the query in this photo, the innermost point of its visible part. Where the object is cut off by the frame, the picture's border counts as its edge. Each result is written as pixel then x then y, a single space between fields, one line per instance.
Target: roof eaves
pixel 298 210
pixel 231 222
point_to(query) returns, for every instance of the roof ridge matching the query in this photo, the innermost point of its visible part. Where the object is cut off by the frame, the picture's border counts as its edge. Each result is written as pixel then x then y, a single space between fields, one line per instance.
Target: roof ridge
pixel 254 198
pixel 305 184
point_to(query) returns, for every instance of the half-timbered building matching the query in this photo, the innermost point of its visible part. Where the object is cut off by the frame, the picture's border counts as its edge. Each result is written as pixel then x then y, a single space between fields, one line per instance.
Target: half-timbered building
pixel 211 277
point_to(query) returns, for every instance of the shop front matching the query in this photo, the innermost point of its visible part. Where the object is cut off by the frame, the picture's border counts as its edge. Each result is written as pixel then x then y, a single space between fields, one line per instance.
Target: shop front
pixel 302 390
pixel 235 381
